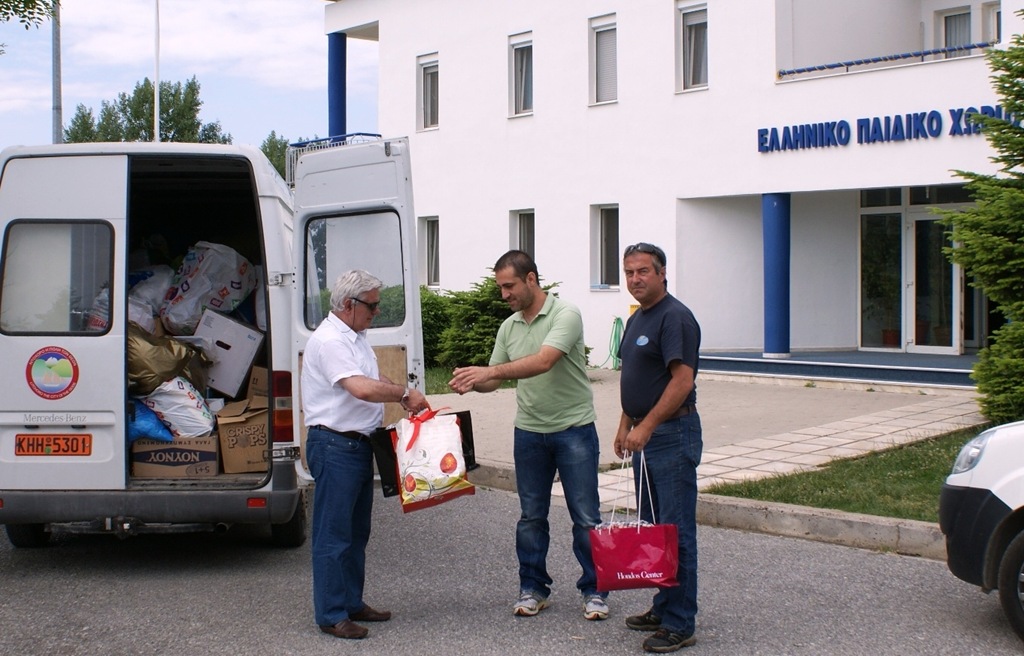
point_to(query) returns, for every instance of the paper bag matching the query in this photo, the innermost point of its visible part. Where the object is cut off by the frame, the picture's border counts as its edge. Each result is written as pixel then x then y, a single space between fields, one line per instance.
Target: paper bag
pixel 635 555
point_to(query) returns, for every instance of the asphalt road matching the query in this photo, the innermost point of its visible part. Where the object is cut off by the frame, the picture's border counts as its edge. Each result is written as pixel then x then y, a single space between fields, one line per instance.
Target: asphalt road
pixel 449 575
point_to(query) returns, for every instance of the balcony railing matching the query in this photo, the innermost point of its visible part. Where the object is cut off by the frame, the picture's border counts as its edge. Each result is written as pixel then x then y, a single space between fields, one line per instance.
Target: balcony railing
pixel 918 54
pixel 296 150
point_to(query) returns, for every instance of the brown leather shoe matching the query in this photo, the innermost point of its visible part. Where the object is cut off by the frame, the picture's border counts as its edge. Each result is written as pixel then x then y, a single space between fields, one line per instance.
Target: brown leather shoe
pixel 368 614
pixel 346 629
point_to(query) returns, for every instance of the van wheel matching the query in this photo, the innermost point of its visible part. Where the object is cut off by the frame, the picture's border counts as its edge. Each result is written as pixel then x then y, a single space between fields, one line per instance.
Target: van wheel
pixel 1011 584
pixel 292 533
pixel 27 536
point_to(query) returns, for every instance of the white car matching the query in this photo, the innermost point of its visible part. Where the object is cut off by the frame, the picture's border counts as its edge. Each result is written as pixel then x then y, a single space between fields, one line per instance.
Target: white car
pixel 981 513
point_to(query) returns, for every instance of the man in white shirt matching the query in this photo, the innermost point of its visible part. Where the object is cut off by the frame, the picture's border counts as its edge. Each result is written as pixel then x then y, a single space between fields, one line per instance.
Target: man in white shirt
pixel 343 393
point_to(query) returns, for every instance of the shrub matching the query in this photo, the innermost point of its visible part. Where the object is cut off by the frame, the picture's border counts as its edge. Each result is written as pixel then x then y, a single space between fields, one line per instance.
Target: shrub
pixel 475 317
pixel 999 373
pixel 435 310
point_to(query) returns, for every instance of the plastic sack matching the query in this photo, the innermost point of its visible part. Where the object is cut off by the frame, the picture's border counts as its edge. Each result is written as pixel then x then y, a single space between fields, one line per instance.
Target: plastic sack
pixel 98 316
pixel 211 276
pixel 145 424
pixel 181 408
pixel 154 360
pixel 431 465
pixel 150 285
pixel 142 314
pixel 387 460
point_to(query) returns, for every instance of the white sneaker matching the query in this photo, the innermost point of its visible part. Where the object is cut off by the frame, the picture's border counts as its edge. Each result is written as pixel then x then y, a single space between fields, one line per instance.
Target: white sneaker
pixel 595 607
pixel 529 604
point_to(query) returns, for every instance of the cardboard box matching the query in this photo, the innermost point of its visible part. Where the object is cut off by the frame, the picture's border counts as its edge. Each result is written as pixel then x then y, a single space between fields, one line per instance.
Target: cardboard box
pixel 234 347
pixel 185 457
pixel 244 435
pixel 258 383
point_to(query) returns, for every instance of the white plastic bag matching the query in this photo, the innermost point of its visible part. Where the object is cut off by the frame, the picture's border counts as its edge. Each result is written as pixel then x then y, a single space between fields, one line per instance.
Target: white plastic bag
pixel 151 285
pixel 181 408
pixel 211 276
pixel 431 465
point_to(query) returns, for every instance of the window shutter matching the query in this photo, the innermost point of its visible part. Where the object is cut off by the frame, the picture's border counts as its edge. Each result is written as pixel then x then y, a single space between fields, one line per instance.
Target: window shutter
pixel 607 77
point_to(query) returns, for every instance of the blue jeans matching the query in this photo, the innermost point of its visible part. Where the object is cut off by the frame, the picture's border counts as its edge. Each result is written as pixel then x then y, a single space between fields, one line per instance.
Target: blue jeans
pixel 573 453
pixel 342 505
pixel 672 456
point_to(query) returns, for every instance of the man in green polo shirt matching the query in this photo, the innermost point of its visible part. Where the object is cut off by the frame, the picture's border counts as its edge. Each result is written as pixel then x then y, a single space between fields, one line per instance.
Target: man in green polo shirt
pixel 541 346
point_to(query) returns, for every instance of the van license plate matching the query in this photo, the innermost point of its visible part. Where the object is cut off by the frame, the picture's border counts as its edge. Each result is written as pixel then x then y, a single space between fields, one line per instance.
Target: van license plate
pixel 53 445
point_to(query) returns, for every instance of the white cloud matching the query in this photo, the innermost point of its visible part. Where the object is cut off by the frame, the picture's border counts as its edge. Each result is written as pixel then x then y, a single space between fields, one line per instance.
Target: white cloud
pixel 262 64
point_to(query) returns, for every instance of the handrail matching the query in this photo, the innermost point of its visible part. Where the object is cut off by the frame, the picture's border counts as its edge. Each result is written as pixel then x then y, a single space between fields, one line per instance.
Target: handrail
pixel 884 58
pixel 295 150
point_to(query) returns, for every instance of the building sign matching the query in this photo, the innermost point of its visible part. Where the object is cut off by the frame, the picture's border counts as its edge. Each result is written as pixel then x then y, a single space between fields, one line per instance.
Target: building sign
pixel 933 124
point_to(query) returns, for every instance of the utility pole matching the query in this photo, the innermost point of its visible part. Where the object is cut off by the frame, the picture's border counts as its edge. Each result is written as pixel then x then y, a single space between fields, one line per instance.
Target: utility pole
pixel 156 82
pixel 58 111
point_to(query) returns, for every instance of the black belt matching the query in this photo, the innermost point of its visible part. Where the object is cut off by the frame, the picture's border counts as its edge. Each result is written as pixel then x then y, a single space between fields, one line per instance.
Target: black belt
pixel 352 435
pixel 681 412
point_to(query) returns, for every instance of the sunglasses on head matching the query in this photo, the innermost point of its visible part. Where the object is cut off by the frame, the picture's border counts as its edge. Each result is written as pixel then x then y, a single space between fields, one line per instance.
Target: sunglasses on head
pixel 644 247
pixel 369 306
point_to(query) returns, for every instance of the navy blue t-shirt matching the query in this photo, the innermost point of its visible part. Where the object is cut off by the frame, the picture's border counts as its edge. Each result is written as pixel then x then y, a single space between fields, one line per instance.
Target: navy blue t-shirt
pixel 653 338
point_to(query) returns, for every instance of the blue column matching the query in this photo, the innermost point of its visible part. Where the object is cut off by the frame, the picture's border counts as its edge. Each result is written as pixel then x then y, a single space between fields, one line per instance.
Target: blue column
pixel 336 83
pixel 775 223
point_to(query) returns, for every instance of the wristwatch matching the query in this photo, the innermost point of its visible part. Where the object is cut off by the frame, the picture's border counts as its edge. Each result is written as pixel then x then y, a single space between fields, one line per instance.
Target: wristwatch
pixel 405 397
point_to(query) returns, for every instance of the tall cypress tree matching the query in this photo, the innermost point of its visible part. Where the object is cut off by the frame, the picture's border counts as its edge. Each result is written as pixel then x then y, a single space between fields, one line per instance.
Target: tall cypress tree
pixel 989 239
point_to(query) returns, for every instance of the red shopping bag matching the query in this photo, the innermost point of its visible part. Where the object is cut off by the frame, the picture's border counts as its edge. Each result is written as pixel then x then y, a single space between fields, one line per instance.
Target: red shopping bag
pixel 628 556
pixel 635 554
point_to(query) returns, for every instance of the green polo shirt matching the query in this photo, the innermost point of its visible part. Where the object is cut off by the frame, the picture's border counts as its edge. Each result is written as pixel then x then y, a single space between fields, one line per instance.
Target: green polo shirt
pixel 561 397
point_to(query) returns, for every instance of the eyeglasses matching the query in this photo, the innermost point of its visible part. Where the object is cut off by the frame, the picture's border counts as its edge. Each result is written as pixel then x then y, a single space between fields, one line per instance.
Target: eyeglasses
pixel 644 247
pixel 372 307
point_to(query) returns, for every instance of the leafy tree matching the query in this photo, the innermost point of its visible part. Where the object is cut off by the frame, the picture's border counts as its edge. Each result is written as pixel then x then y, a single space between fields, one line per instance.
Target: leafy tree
pixel 82 127
pixel 990 240
pixel 276 150
pixel 28 12
pixel 130 117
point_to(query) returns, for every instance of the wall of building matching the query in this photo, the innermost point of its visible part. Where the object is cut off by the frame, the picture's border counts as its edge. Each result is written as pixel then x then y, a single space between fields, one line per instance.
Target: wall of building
pixel 684 168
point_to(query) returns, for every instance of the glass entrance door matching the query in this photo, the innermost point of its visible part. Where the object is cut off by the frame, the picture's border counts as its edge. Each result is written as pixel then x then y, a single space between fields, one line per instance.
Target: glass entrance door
pixel 933 302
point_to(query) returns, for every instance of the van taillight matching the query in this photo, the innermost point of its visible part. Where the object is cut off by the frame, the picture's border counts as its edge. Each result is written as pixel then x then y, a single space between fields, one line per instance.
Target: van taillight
pixel 281 384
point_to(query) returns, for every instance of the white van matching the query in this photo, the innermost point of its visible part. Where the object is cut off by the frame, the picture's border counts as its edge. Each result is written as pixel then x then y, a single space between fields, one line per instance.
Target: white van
pixel 77 219
pixel 981 513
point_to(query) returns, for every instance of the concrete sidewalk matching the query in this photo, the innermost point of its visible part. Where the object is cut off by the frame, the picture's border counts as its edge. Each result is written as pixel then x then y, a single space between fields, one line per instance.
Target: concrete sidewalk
pixel 756 426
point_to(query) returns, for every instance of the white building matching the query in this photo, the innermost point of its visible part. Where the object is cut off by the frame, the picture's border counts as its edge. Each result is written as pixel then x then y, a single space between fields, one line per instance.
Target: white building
pixel 791 196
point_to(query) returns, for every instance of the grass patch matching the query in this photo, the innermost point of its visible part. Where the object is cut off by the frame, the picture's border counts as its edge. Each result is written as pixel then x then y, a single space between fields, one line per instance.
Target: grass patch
pixel 436 379
pixel 903 482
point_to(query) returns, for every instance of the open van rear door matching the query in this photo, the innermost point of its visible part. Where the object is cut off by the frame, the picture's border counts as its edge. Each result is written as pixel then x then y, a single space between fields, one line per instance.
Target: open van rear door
pixel 62 341
pixel 353 210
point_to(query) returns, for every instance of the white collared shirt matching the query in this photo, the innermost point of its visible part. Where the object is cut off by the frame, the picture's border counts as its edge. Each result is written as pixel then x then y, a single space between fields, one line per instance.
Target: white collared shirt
pixel 335 352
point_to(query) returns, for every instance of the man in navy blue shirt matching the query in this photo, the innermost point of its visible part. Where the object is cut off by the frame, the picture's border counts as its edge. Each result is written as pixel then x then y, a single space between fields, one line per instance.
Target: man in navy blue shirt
pixel 659 354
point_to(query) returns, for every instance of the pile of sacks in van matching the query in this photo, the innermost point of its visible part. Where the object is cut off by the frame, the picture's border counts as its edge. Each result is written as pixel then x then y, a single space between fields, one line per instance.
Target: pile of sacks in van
pixel 166 367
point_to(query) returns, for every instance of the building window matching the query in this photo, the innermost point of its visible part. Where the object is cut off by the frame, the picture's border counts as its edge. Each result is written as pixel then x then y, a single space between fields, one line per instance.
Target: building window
pixel 522 231
pixel 432 251
pixel 956 30
pixel 605 246
pixel 428 81
pixel 992 27
pixel 521 69
pixel 693 47
pixel 604 76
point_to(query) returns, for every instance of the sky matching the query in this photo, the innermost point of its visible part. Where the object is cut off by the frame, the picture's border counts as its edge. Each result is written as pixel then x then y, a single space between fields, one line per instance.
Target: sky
pixel 261 65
